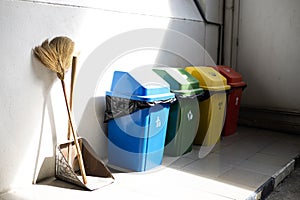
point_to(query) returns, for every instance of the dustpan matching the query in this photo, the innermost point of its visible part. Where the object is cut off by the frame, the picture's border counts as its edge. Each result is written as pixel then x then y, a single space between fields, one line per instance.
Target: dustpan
pixel 98 175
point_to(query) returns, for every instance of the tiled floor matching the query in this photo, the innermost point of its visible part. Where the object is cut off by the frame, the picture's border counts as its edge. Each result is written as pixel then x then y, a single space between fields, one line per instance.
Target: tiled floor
pixel 234 169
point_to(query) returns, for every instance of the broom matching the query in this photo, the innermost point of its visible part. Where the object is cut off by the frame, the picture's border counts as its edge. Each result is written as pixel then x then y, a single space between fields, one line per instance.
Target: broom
pixel 57 55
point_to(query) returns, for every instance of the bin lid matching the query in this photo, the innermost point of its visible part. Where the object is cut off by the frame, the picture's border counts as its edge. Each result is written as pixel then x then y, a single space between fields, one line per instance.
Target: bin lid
pixel 140 84
pixel 180 81
pixel 234 79
pixel 208 78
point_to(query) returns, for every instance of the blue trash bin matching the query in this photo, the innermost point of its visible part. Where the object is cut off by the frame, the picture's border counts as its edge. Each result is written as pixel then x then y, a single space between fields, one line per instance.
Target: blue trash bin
pixel 138 106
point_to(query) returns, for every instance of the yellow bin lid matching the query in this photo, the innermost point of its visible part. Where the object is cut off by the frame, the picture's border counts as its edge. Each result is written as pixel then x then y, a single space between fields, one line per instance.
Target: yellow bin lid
pixel 209 78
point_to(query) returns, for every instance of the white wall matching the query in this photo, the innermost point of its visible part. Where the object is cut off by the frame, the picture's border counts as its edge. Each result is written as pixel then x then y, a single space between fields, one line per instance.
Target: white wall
pixel 33 117
pixel 268 53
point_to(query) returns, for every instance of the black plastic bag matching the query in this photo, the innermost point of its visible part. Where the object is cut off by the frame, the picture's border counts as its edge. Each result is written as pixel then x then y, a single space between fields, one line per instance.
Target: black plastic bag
pixel 190 96
pixel 118 107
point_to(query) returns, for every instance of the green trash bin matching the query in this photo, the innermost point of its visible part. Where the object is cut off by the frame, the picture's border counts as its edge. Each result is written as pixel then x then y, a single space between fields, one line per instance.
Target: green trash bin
pixel 184 113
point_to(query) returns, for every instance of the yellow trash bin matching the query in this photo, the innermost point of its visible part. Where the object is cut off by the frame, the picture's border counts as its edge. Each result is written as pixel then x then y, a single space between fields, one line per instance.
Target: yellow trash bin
pixel 213 107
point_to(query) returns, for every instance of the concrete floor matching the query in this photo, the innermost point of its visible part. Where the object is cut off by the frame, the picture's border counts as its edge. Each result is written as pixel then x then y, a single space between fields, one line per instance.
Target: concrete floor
pixel 289 189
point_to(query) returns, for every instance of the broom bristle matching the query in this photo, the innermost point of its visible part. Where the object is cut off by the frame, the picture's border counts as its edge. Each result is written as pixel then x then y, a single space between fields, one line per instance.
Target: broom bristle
pixel 46 56
pixel 64 48
pixel 56 54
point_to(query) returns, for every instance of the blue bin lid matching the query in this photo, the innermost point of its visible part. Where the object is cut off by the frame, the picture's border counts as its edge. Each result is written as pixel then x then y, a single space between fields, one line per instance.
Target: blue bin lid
pixel 140 84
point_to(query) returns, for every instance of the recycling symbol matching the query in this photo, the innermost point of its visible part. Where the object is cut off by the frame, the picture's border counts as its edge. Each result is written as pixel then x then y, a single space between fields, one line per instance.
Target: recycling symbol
pixel 190 115
pixel 220 105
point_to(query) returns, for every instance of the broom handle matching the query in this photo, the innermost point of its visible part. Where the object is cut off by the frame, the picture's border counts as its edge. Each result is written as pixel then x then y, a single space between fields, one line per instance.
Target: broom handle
pixel 73 73
pixel 80 160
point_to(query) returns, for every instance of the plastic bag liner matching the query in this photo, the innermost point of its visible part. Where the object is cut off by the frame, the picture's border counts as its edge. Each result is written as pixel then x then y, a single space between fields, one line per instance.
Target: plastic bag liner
pixel 192 96
pixel 206 94
pixel 118 107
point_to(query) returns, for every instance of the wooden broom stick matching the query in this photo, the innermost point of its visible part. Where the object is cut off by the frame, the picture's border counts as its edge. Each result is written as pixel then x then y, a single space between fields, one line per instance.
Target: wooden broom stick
pixel 73 74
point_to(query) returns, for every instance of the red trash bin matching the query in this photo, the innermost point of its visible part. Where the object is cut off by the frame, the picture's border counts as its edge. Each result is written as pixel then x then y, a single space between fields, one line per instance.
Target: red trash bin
pixel 235 80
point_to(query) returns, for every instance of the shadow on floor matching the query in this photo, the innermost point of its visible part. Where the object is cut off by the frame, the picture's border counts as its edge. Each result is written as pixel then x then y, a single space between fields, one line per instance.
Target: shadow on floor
pixel 60 184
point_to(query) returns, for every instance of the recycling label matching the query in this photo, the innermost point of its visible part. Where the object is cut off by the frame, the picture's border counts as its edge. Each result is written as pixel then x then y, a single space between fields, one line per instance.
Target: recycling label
pixel 158 122
pixel 190 115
